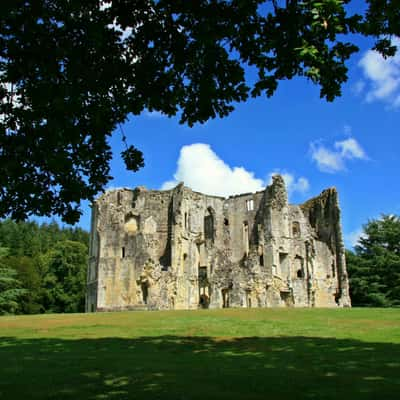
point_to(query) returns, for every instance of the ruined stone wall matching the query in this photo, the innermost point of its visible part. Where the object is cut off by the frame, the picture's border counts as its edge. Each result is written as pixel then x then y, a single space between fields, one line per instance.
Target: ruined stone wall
pixel 179 249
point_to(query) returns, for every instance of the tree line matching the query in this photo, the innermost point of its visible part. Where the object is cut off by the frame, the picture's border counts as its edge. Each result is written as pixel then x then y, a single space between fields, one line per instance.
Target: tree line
pixel 42 268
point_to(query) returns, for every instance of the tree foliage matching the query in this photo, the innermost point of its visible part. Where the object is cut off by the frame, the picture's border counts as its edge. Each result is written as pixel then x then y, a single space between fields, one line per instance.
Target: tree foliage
pixel 49 262
pixel 374 268
pixel 72 70
pixel 10 288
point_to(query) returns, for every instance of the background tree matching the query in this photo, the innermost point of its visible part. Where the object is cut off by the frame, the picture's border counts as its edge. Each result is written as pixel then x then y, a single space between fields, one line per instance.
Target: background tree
pixel 374 268
pixel 10 287
pixel 71 71
pixel 64 281
pixel 49 262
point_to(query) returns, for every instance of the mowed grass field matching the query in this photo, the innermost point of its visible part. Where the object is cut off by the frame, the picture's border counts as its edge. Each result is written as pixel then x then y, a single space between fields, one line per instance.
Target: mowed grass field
pixel 207 354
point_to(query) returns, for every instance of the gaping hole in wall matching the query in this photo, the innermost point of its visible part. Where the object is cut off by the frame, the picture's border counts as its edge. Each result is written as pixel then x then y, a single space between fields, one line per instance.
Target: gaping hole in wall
pixel 298 267
pixel 123 252
pixel 131 225
pixel 184 256
pixel 226 221
pixel 262 260
pixel 300 273
pixel 145 291
pixel 287 298
pixel 295 229
pixel 249 205
pixel 204 301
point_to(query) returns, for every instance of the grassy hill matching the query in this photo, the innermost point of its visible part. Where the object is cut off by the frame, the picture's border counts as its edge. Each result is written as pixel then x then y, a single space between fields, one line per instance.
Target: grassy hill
pixel 207 354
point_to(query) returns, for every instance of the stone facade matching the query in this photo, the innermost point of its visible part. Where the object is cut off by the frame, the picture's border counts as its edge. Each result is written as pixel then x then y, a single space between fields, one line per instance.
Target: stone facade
pixel 179 249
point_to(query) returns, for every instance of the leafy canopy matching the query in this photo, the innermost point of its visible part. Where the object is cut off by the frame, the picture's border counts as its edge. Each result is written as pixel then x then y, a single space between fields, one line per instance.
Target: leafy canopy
pixel 374 269
pixel 72 70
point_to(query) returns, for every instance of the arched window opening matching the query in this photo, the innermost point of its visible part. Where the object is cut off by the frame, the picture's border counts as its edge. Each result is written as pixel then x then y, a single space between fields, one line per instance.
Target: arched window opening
pixel 209 225
pixel 300 273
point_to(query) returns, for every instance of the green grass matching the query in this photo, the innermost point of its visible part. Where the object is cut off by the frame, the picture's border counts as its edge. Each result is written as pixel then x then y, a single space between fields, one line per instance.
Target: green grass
pixel 209 354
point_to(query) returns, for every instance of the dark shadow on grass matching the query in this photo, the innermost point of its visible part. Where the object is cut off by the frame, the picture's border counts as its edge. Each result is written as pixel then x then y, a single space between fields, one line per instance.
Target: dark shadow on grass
pixel 170 367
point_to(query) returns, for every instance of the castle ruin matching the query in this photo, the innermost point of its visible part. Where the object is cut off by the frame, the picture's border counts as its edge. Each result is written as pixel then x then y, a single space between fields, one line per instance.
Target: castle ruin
pixel 180 249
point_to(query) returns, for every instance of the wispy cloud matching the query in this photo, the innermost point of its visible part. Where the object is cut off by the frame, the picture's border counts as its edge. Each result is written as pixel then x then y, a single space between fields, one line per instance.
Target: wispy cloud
pixel 334 159
pixel 381 80
pixel 203 170
pixel 351 239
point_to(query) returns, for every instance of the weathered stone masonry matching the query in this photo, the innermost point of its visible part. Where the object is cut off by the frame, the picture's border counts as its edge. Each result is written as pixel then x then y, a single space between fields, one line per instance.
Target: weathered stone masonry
pixel 179 249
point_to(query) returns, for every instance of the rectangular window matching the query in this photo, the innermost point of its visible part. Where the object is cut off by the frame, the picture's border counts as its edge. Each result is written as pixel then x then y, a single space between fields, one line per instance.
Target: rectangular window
pixel 123 252
pixel 209 227
pixel 246 238
pixel 250 205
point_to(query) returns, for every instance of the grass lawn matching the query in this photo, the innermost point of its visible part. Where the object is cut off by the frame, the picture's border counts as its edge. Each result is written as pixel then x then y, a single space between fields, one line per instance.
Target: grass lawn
pixel 207 354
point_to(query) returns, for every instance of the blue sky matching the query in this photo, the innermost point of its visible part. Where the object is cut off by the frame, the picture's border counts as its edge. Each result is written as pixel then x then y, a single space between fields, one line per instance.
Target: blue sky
pixel 352 144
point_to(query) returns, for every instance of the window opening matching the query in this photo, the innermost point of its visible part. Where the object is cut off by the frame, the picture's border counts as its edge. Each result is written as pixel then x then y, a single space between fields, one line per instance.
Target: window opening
pixel 296 229
pixel 145 292
pixel 300 273
pixel 226 222
pixel 123 252
pixel 246 237
pixel 209 227
pixel 262 260
pixel 250 205
pixel 202 273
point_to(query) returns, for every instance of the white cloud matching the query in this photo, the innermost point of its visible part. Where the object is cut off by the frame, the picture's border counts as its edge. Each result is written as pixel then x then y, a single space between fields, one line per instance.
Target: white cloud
pixel 200 168
pixel 351 239
pixel 350 148
pixel 381 77
pixel 334 160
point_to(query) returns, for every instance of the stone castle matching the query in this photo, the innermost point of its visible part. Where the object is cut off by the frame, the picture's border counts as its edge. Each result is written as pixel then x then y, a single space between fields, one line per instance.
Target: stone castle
pixel 179 249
